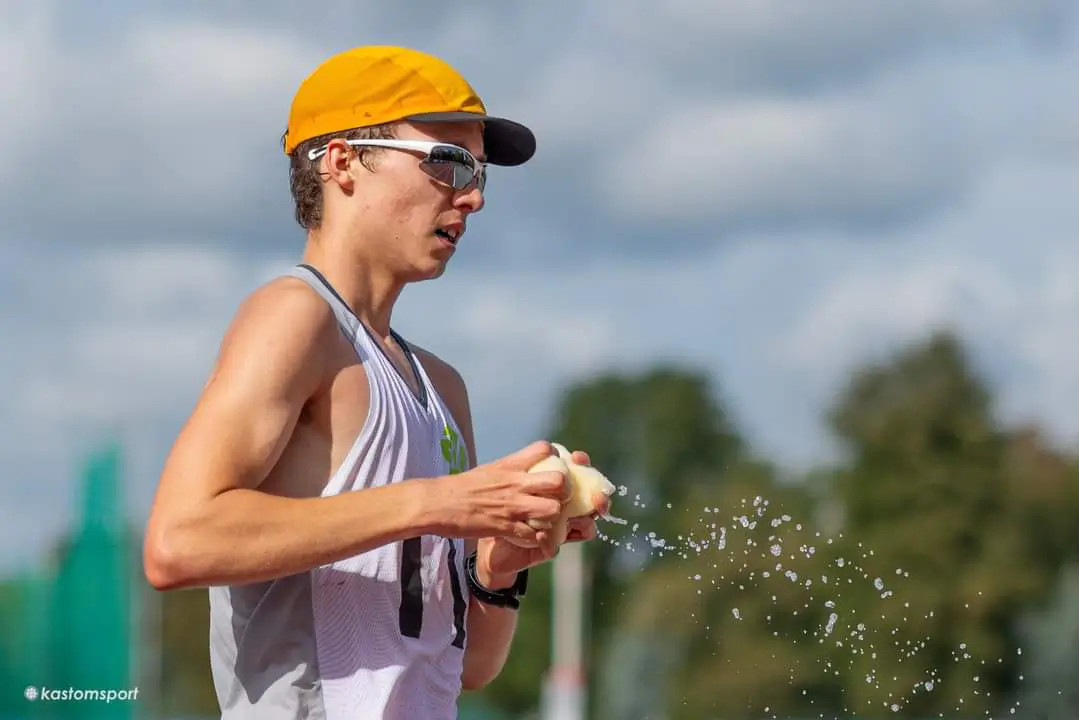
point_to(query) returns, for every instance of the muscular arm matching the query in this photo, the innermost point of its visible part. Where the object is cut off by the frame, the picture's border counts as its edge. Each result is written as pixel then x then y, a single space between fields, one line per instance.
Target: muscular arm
pixel 490 629
pixel 210 523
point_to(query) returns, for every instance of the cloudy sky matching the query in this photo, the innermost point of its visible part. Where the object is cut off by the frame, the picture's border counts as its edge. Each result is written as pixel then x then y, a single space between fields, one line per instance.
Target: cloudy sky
pixel 771 191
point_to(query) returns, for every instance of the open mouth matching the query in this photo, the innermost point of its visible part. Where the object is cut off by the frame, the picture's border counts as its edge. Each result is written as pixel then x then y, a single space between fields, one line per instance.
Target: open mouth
pixel 450 235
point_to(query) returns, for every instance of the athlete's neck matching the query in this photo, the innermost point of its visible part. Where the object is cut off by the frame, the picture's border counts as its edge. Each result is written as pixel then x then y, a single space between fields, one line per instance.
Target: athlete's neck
pixel 370 289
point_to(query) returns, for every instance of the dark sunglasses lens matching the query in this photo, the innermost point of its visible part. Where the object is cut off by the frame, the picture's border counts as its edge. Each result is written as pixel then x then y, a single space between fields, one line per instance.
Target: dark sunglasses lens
pixel 441 172
pixel 454 167
pixel 464 176
pixel 450 154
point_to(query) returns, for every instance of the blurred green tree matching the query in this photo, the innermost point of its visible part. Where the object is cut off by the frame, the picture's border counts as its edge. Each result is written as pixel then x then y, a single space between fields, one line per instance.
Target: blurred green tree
pixel 963 522
pixel 889 584
pixel 657 434
pixel 187 688
pixel 734 605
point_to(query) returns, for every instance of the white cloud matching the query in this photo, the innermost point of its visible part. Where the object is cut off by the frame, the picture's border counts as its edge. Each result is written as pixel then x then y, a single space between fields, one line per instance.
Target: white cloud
pixel 1011 297
pixel 881 303
pixel 748 42
pixel 172 125
pixel 178 116
pixel 905 146
pixel 109 340
pixel 915 105
pixel 24 106
pixel 795 160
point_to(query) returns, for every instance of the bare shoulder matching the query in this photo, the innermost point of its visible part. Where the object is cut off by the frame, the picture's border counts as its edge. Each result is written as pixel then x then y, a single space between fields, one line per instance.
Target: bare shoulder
pixel 288 295
pixel 285 311
pixel 271 361
pixel 279 330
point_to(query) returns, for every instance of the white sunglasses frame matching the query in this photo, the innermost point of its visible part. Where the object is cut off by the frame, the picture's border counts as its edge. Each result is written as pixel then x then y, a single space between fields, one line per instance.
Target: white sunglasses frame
pixel 424 146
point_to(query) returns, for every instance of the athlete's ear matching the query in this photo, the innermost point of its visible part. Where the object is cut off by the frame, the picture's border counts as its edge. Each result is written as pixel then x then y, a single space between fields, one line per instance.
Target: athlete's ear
pixel 337 163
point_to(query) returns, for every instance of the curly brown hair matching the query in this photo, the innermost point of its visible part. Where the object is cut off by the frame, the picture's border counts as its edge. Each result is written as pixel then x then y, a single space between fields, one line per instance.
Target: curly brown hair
pixel 305 181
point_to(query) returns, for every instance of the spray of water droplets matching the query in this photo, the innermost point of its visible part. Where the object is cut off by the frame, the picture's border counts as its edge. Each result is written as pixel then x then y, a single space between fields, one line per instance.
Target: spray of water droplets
pixel 779 550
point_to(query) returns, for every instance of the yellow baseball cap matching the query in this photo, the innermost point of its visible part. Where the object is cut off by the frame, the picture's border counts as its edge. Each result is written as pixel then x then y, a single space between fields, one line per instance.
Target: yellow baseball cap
pixel 377 84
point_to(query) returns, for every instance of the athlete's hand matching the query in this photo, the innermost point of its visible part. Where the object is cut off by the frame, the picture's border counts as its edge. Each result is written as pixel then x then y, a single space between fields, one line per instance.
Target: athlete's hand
pixel 498 561
pixel 501 498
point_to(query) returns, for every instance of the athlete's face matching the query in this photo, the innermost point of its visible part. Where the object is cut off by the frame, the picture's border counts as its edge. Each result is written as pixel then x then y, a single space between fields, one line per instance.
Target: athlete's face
pixel 419 220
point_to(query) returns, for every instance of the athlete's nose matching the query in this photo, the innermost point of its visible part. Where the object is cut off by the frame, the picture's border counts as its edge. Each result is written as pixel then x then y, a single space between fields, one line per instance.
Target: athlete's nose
pixel 469 201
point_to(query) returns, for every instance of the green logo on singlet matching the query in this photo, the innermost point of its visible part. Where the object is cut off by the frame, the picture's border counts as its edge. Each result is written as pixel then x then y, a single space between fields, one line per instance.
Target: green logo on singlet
pixel 453 450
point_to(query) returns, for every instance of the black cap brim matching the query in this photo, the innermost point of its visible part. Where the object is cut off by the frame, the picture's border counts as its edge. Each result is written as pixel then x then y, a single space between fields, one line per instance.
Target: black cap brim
pixel 505 142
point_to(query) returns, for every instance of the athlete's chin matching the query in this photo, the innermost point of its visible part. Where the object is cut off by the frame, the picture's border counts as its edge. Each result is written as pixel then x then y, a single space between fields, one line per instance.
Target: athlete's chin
pixel 435 274
pixel 430 270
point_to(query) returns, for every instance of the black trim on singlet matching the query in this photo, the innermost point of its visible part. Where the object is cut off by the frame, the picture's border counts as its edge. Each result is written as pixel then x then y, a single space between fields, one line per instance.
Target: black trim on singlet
pixel 421 396
pixel 410 615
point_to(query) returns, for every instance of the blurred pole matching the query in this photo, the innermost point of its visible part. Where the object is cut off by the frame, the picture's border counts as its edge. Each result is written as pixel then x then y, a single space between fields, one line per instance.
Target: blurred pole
pixel 564 696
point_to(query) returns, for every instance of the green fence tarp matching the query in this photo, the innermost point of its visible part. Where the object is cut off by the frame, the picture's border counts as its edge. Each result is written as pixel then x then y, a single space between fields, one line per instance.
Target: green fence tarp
pixel 69 627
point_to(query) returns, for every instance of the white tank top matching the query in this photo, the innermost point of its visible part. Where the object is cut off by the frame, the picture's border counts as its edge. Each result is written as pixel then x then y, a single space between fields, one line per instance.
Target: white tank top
pixel 389 624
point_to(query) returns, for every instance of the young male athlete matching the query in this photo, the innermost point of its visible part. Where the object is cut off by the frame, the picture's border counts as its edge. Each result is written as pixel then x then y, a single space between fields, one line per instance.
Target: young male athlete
pixel 324 487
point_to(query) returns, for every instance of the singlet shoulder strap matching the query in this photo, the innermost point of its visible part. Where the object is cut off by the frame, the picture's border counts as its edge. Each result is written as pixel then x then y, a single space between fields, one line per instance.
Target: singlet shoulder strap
pixel 348 321
pixel 358 333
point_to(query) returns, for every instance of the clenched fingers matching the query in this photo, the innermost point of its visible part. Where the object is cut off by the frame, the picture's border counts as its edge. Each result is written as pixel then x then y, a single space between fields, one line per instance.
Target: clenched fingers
pixel 548 483
pixel 602 503
pixel 526 457
pixel 524 536
pixel 541 511
pixel 581 529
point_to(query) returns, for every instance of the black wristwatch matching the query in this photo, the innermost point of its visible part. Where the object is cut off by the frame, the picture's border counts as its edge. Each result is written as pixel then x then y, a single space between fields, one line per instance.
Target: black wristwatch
pixel 499 598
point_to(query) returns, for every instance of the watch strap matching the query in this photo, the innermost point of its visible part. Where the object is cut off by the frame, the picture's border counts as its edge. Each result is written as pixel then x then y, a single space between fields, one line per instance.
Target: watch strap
pixel 506 598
